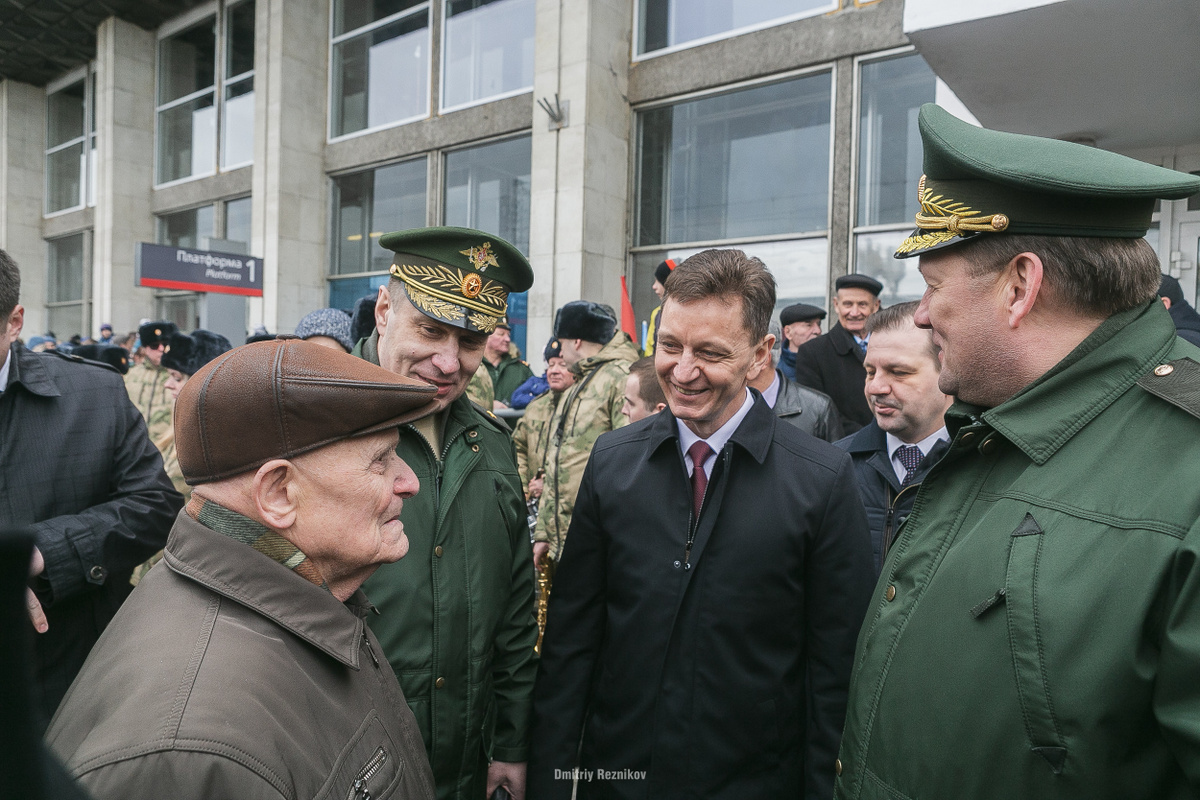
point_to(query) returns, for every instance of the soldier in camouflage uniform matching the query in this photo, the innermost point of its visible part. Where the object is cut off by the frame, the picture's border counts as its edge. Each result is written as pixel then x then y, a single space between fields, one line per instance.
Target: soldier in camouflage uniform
pixel 532 434
pixel 600 356
pixel 147 382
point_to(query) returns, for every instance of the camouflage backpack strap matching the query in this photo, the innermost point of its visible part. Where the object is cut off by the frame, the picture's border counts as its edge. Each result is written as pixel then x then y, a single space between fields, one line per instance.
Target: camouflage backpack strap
pixel 1177 382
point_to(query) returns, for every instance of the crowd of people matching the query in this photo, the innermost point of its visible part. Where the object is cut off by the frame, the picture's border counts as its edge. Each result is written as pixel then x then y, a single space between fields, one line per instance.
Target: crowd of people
pixel 948 548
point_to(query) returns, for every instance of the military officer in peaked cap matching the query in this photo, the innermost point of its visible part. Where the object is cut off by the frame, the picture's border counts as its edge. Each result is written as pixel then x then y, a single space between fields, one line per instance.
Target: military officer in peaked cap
pixel 833 363
pixel 457 617
pixel 1036 628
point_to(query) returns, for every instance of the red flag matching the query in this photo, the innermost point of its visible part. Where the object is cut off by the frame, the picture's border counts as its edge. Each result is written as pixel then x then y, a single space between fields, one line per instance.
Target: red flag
pixel 628 323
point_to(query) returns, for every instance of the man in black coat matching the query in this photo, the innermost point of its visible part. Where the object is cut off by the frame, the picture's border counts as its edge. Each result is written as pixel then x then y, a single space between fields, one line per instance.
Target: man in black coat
pixel 715 576
pixel 78 469
pixel 908 434
pixel 1187 321
pixel 833 363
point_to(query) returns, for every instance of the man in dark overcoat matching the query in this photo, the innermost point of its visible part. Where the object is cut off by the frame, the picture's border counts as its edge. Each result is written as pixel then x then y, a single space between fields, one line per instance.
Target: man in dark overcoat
pixel 833 363
pixel 78 468
pixel 713 582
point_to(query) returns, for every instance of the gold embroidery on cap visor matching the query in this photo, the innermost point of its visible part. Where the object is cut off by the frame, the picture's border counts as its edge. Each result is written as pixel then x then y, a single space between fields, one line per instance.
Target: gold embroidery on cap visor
pixel 450 294
pixel 947 219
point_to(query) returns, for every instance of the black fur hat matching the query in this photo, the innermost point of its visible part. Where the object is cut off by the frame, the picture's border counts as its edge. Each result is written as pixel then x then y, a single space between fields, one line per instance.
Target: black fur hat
pixel 582 319
pixel 115 357
pixel 188 353
pixel 362 320
pixel 151 333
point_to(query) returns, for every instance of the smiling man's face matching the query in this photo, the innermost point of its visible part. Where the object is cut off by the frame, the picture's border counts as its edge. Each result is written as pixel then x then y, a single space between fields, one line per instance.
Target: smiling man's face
pixel 704 359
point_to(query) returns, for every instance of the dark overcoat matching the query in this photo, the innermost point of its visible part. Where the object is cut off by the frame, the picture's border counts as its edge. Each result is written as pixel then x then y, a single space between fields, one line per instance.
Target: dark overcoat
pixel 723 676
pixel 77 466
pixel 833 364
pixel 888 503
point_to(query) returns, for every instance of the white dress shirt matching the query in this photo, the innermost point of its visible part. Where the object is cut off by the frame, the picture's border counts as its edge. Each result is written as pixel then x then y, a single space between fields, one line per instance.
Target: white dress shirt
pixel 723 434
pixel 926 444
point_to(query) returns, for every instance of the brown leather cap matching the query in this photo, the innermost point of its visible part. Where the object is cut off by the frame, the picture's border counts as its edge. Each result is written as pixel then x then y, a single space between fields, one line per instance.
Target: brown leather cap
pixel 281 398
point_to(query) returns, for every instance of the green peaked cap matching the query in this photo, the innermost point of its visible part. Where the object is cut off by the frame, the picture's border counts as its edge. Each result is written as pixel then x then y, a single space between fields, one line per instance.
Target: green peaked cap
pixel 980 182
pixel 459 276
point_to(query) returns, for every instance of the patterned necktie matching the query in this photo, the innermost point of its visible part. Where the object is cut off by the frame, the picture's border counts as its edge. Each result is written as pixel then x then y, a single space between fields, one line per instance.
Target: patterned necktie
pixel 910 456
pixel 698 453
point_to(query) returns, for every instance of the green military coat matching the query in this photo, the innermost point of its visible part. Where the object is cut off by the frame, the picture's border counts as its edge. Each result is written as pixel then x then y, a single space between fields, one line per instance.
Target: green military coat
pixel 456 614
pixel 506 377
pixel 1036 629
pixel 588 408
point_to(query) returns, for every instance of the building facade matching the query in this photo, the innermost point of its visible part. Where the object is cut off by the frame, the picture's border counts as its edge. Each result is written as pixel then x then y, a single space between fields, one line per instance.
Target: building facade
pixel 599 136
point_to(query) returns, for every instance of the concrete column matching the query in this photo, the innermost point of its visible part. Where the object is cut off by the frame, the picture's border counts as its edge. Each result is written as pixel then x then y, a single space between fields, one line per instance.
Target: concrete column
pixel 22 169
pixel 290 189
pixel 125 63
pixel 579 184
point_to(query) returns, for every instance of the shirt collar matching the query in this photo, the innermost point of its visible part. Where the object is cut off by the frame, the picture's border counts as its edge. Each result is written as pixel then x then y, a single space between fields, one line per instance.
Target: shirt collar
pixel 722 434
pixel 771 393
pixel 894 443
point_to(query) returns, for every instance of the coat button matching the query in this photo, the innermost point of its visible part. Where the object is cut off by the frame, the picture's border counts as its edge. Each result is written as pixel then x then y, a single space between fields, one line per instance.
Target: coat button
pixel 1163 370
pixel 988 445
pixel 837 766
pixel 475 448
pixel 97 573
pixel 440 683
pixel 890 594
pixel 437 551
pixel 472 434
pixel 967 438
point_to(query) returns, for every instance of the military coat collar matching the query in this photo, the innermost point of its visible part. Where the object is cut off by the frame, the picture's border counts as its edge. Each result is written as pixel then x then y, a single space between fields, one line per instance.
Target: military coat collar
pixel 1043 416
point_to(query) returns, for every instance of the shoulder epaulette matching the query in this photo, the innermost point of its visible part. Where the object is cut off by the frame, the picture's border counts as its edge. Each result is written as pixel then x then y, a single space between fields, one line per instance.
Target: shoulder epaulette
pixel 1177 382
pixel 487 414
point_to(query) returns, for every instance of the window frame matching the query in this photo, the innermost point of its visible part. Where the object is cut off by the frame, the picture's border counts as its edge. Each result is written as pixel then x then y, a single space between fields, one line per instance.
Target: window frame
pixel 85 302
pixel 426 8
pixel 218 11
pixel 85 74
pixel 716 91
pixel 830 6
pixel 441 88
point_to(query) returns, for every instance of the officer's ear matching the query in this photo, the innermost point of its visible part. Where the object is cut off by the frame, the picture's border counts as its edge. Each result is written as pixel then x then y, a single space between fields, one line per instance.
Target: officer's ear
pixel 275 493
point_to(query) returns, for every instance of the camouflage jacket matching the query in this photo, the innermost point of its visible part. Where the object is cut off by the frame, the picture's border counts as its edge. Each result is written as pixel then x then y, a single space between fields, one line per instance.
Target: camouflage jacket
pixel 147 387
pixel 532 434
pixel 480 389
pixel 589 408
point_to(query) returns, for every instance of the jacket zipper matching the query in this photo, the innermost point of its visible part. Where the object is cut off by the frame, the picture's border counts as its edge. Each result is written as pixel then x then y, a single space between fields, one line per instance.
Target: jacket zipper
pixel 359 790
pixel 887 523
pixel 370 649
pixel 694 518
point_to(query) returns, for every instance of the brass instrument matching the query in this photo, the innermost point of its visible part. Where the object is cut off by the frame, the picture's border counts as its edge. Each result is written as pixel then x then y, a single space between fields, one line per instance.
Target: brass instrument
pixel 544 579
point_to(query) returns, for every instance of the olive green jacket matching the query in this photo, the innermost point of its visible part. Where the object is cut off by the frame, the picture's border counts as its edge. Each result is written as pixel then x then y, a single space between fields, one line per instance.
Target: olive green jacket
pixel 1035 632
pixel 456 614
pixel 506 377
pixel 590 407
pixel 147 388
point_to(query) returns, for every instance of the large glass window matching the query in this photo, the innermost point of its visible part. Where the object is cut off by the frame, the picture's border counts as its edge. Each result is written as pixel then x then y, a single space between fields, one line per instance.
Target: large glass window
pixel 891 92
pixel 367 205
pixel 672 23
pixel 185 228
pixel 188 77
pixel 237 114
pixel 380 58
pixel 66 287
pixel 487 187
pixel 749 163
pixel 237 221
pixel 70 143
pixel 487 50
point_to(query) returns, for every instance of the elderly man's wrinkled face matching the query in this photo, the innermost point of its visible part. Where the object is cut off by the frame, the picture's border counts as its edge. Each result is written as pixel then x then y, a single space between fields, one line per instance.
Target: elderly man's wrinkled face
pixel 350 496
pixel 853 306
pixel 558 374
pixel 416 346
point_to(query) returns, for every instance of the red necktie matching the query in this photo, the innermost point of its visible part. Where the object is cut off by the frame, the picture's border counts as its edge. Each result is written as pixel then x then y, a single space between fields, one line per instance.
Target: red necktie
pixel 699 453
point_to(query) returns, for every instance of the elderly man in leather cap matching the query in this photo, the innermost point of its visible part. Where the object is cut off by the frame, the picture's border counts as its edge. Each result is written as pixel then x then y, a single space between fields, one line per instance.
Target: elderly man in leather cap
pixel 241 665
